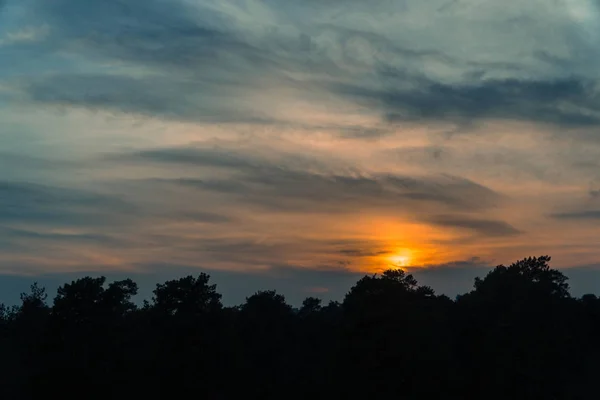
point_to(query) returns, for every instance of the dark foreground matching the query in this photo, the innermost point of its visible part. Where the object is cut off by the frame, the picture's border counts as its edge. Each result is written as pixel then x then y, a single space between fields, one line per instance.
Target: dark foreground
pixel 517 335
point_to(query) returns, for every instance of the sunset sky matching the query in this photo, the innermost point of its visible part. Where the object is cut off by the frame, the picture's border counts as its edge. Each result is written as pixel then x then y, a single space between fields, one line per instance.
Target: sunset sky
pixel 297 145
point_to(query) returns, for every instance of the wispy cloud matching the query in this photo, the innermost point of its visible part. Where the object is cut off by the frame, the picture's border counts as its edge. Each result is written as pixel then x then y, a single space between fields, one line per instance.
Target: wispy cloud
pixel 300 184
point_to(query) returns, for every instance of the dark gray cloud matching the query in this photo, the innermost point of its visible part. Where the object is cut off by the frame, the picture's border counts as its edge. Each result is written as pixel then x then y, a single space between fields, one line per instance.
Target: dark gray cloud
pixel 485 227
pixel 364 252
pixel 578 215
pixel 43 207
pixel 355 248
pixel 15 167
pixel 294 186
pixel 153 96
pixel 154 31
pixel 569 102
pixel 22 203
pixel 201 217
pixel 23 161
pixel 196 156
pixel 253 159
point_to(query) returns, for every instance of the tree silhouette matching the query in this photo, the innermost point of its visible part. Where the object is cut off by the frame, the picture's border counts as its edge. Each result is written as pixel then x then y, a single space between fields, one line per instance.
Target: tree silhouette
pixel 187 339
pixel 310 306
pixel 391 328
pixel 518 334
pixel 190 296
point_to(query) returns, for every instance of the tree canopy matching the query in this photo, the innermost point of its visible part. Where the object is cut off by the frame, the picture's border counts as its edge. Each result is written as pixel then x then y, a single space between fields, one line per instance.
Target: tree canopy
pixel 517 334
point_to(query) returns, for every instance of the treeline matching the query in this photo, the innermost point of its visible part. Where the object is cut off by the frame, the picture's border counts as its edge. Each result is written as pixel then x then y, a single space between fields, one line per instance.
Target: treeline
pixel 518 334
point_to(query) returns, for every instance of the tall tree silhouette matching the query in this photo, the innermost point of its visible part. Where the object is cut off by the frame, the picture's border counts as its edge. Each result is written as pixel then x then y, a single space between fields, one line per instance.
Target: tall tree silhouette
pixel 518 334
pixel 391 329
pixel 187 320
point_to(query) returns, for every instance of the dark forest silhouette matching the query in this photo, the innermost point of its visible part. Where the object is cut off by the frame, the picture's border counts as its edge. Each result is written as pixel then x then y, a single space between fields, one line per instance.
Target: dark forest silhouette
pixel 518 334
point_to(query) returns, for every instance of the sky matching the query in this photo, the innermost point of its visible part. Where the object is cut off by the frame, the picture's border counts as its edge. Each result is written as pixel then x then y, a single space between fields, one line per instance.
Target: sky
pixel 297 145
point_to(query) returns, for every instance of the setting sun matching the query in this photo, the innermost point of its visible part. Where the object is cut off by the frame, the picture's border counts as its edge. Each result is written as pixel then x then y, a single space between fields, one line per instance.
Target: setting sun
pixel 400 259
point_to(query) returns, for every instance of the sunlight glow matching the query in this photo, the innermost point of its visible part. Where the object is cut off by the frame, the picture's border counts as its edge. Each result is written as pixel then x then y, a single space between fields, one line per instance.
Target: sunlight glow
pixel 400 259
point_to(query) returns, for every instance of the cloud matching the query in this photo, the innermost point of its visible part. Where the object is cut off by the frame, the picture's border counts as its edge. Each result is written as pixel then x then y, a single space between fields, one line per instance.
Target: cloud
pixel 170 60
pixel 484 227
pixel 578 215
pixel 364 252
pixel 151 96
pixel 564 102
pixel 203 61
pixel 22 203
pixel 201 217
pixel 74 239
pixel 294 185
pixel 54 224
pixel 196 156
pixel 503 162
pixel 173 33
pixel 15 167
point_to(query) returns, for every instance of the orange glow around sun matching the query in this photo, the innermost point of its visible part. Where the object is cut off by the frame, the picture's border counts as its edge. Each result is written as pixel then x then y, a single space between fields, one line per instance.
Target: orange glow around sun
pixel 401 244
pixel 400 259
